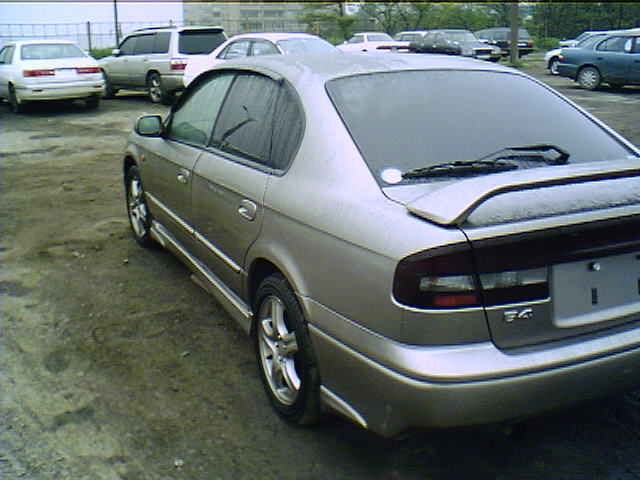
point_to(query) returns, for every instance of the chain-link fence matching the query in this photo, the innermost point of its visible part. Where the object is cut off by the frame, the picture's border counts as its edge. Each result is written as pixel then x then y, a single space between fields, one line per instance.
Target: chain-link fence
pixel 102 35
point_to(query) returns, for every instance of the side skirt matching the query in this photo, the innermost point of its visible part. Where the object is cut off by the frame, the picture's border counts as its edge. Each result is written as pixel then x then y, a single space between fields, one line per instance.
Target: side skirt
pixel 231 302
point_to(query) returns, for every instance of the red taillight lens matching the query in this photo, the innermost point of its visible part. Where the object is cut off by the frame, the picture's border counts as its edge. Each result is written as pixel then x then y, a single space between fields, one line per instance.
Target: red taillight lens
pixel 178 63
pixel 383 47
pixel 443 280
pixel 456 278
pixel 88 70
pixel 38 73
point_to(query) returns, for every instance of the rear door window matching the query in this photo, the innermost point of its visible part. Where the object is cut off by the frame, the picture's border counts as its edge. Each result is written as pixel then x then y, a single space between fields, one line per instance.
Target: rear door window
pixel 236 49
pixel 161 42
pixel 245 124
pixel 201 41
pixel 264 48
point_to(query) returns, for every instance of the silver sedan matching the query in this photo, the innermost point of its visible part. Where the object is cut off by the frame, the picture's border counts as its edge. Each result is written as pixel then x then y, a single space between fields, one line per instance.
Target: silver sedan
pixel 412 241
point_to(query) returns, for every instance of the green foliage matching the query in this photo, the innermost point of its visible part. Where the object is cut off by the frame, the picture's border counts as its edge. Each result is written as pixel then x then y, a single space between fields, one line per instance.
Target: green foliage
pixel 99 53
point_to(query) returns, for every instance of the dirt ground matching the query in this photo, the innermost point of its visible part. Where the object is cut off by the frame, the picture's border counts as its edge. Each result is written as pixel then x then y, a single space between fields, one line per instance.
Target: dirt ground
pixel 116 366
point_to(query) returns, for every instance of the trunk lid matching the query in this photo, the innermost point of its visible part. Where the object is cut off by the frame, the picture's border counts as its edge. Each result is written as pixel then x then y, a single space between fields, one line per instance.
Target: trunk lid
pixel 569 234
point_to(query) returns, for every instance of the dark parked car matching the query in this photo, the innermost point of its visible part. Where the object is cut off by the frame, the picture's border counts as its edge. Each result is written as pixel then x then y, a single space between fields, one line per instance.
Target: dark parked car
pixel 455 42
pixel 612 59
pixel 501 36
pixel 394 258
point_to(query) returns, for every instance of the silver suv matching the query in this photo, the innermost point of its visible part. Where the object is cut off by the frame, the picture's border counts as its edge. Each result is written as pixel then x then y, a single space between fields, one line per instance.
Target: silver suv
pixel 154 59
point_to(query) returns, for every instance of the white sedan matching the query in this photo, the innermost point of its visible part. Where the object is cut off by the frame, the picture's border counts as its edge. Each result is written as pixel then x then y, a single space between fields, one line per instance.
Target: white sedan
pixel 372 42
pixel 48 70
pixel 248 44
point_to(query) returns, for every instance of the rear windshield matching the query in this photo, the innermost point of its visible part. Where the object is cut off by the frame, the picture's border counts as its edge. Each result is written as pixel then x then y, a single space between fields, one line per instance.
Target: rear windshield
pixel 45 51
pixel 194 42
pixel 413 119
pixel 305 45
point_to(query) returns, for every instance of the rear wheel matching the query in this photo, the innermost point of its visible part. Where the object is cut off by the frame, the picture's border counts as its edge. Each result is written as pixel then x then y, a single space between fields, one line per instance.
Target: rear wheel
pixel 589 78
pixel 284 353
pixel 157 92
pixel 92 102
pixel 109 91
pixel 15 105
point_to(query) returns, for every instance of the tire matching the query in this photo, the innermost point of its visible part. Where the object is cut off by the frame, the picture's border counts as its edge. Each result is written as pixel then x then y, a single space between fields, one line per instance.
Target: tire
pixel 284 353
pixel 15 105
pixel 109 91
pixel 137 208
pixel 156 90
pixel 589 78
pixel 553 66
pixel 92 102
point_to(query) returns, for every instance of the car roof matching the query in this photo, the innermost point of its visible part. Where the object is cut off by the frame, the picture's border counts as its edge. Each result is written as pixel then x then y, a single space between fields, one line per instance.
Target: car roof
pixel 176 28
pixel 41 41
pixel 273 36
pixel 321 67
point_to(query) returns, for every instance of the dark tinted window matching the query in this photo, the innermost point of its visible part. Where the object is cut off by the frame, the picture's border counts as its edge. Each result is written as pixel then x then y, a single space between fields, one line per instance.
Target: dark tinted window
pixel 128 46
pixel 161 42
pixel 193 121
pixel 245 124
pixel 193 42
pixel 288 129
pixel 407 120
pixel 144 44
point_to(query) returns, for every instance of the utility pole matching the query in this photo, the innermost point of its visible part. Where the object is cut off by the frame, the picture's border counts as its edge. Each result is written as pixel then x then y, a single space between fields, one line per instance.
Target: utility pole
pixel 115 19
pixel 515 25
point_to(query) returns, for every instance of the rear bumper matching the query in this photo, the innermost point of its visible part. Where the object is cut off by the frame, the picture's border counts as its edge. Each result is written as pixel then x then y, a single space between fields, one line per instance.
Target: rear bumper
pixel 173 82
pixel 60 91
pixel 389 402
pixel 567 70
pixel 390 387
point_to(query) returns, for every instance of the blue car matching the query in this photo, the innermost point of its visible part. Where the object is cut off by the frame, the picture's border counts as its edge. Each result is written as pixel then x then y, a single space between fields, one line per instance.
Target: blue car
pixel 612 59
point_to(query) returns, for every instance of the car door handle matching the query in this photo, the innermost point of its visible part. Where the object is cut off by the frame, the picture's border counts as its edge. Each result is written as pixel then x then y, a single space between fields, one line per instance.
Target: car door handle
pixel 248 209
pixel 183 175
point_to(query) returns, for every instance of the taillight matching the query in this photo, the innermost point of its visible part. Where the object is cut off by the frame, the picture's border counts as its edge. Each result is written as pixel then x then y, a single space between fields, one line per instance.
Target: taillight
pixel 444 280
pixel 88 70
pixel 383 47
pixel 178 63
pixel 456 278
pixel 38 73
pixel 561 58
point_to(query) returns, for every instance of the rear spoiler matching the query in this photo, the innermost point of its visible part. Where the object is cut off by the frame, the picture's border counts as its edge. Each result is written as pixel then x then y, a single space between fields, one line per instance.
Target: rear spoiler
pixel 453 203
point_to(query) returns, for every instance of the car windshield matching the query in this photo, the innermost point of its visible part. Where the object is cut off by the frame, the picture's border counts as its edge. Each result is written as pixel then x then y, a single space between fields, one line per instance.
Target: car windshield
pixel 44 51
pixel 402 121
pixel 194 42
pixel 305 45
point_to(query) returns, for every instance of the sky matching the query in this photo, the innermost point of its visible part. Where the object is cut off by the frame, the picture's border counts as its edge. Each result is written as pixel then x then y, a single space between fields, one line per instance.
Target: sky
pixel 28 11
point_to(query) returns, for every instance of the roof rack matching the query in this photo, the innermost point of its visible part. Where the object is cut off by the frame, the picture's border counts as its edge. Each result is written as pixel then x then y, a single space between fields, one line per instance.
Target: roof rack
pixel 155 28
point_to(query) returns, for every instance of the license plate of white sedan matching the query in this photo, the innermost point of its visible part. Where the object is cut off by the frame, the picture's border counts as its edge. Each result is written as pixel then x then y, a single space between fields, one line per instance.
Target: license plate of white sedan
pixel 66 72
pixel 596 290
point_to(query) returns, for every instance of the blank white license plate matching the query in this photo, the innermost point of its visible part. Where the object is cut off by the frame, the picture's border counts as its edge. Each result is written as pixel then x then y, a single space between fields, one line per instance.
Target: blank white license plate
pixel 66 73
pixel 597 290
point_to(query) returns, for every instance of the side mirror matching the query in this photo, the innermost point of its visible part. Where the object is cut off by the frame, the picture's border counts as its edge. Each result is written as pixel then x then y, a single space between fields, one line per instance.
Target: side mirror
pixel 149 126
pixel 116 52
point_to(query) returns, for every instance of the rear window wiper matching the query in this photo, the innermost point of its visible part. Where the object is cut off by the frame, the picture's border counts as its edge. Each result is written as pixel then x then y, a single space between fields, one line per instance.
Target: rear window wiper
pixel 461 168
pixel 500 161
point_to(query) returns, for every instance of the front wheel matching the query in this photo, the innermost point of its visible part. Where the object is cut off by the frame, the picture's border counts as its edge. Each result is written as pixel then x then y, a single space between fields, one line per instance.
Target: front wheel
pixel 284 353
pixel 137 209
pixel 589 78
pixel 553 66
